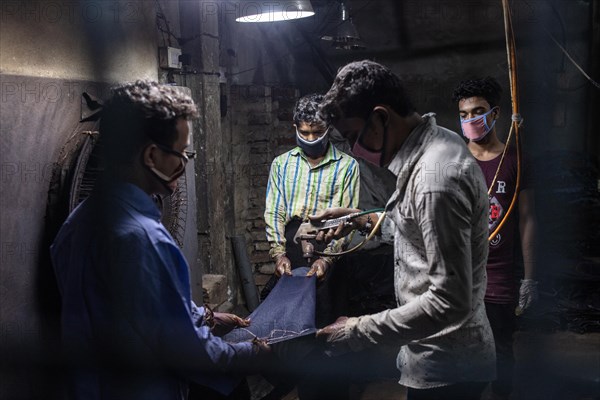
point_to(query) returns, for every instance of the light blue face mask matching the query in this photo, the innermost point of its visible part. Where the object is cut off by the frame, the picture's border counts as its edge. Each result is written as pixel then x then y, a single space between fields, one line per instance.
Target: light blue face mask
pixel 315 148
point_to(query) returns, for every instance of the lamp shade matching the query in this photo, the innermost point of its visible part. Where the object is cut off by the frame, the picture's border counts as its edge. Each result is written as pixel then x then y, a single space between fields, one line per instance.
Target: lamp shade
pixel 272 11
pixel 345 35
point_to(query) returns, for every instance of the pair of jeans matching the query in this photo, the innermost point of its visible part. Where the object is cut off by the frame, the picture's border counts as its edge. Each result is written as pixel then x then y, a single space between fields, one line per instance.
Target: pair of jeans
pixel 503 322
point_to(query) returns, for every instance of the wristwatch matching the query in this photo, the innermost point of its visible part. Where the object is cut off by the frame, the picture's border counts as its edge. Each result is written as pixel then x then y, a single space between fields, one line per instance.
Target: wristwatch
pixel 209 317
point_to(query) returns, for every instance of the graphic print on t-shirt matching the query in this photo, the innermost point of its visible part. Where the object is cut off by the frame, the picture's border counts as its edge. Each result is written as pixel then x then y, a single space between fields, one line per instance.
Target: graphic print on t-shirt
pixel 496 213
pixel 496 240
pixel 502 181
pixel 496 210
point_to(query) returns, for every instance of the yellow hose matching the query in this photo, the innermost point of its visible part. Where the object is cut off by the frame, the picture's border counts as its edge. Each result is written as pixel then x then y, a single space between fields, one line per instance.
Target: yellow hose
pixel 515 120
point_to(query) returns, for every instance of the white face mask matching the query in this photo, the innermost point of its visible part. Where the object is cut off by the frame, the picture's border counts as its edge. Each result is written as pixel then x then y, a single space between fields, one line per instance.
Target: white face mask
pixel 164 179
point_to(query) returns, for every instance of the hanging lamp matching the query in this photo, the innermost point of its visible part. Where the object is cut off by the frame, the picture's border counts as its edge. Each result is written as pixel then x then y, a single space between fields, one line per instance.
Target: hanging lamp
pixel 273 11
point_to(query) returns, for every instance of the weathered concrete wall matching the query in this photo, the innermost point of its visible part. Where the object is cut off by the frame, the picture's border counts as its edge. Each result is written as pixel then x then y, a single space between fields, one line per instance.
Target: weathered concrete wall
pixel 104 41
pixel 51 53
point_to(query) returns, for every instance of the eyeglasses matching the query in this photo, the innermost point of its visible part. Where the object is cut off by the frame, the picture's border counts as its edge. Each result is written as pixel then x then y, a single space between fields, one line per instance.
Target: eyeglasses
pixel 185 156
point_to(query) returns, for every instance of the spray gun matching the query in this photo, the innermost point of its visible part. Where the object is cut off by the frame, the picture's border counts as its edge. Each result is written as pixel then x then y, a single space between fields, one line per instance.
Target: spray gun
pixel 307 233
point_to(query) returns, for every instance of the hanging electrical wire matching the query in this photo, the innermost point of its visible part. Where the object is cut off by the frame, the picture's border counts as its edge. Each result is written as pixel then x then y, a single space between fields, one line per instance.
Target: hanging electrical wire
pixel 566 53
pixel 516 118
pixel 563 46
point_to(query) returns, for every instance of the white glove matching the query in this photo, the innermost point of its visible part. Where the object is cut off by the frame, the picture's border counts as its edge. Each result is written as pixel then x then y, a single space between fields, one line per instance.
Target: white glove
pixel 528 293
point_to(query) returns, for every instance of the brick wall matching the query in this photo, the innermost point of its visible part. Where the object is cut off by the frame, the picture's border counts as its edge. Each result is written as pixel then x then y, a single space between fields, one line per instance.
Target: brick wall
pixel 261 128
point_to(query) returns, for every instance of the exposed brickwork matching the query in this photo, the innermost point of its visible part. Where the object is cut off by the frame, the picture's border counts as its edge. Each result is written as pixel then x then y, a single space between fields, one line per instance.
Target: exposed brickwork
pixel 261 130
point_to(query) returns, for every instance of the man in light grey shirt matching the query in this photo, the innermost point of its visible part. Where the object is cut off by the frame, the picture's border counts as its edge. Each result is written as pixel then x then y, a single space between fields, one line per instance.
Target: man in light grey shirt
pixel 437 221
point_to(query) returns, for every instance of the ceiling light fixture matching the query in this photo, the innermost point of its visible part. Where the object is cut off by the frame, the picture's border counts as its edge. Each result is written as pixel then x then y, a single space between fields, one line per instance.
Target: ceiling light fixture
pixel 345 35
pixel 272 11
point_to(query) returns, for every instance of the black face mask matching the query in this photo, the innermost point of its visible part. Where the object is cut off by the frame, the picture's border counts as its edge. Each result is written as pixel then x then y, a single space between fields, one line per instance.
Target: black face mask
pixel 315 148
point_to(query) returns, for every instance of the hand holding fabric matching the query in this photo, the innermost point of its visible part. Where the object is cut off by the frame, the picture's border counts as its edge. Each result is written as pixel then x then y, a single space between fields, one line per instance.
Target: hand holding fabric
pixel 528 294
pixel 261 347
pixel 335 335
pixel 319 268
pixel 225 323
pixel 283 266
pixel 264 359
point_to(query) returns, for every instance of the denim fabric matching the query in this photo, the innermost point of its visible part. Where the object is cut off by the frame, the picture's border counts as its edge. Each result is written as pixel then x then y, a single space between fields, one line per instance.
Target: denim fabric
pixel 287 312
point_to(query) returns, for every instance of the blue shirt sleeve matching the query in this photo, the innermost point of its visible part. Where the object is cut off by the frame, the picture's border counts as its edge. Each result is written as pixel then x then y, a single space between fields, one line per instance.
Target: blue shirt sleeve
pixel 150 283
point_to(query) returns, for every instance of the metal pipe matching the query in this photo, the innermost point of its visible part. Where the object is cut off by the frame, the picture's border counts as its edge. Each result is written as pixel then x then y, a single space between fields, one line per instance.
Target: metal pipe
pixel 245 270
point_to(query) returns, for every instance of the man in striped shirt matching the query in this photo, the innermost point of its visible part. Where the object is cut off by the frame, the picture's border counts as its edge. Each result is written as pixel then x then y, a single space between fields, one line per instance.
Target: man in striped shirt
pixel 309 178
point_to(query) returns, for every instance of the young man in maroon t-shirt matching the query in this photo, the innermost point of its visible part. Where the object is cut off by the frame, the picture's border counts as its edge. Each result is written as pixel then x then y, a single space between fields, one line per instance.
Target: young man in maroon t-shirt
pixel 478 105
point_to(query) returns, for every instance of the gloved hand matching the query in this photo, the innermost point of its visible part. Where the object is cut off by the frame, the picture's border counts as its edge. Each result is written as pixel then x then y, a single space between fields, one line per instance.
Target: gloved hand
pixel 335 337
pixel 223 323
pixel 283 266
pixel 319 268
pixel 528 294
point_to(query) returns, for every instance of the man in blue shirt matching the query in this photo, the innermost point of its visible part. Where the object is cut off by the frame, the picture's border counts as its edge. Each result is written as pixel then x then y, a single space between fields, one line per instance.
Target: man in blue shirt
pixel 129 326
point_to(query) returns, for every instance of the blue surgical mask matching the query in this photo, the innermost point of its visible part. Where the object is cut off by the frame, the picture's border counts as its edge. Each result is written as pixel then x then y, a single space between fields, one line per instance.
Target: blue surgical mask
pixel 315 148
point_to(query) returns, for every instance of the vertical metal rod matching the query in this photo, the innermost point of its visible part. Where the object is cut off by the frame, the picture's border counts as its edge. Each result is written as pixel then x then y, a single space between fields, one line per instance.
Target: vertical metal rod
pixel 245 269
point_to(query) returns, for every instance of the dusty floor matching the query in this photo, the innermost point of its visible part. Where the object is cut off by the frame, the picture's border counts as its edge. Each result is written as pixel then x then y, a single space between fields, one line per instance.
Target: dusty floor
pixel 556 366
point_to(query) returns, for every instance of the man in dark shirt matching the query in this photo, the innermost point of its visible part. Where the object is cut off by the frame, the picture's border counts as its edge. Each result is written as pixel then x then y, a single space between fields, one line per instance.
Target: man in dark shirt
pixel 478 105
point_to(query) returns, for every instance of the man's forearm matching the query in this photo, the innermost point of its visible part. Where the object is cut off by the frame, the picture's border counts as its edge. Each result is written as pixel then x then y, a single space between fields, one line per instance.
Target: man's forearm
pixel 527 230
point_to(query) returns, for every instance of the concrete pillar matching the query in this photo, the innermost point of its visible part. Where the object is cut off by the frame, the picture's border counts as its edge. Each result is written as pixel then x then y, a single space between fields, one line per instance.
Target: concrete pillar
pixel 200 30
